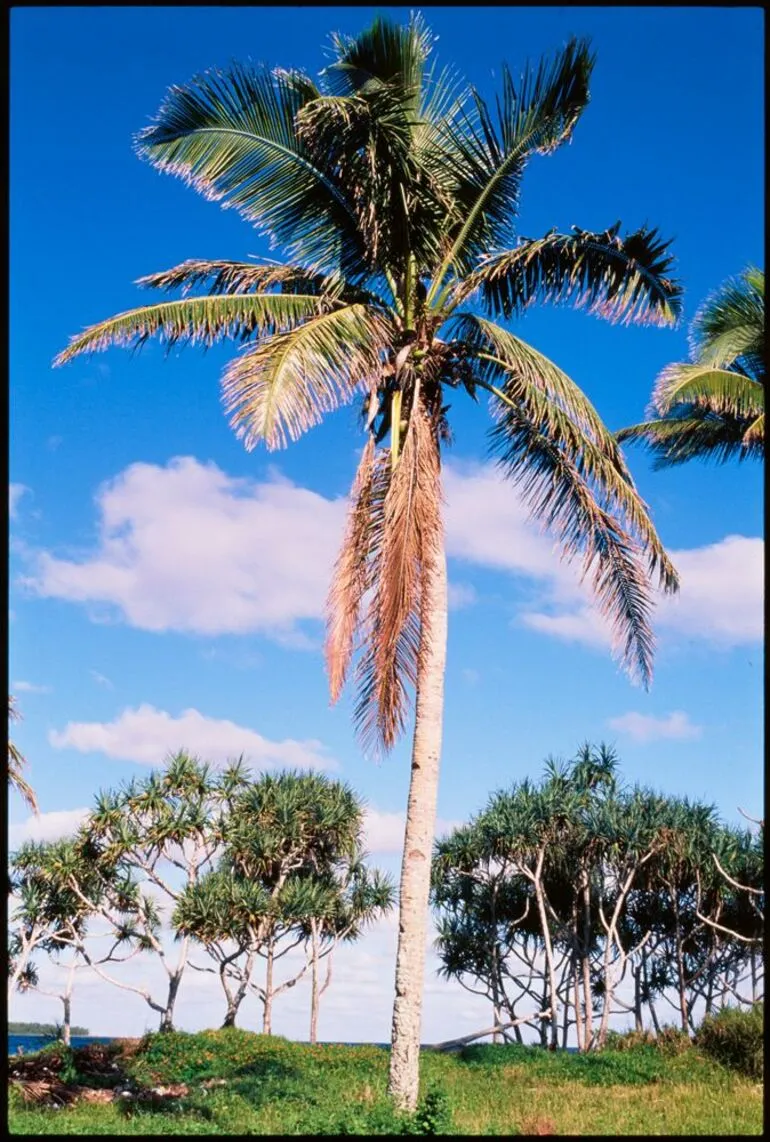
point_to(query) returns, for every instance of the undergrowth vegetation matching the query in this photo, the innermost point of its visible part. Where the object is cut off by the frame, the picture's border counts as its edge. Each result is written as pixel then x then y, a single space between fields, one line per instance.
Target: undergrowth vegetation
pixel 235 1082
pixel 736 1039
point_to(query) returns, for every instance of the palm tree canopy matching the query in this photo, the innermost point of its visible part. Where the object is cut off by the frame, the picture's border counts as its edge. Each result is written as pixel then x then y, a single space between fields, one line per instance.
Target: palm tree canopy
pixel 392 189
pixel 713 407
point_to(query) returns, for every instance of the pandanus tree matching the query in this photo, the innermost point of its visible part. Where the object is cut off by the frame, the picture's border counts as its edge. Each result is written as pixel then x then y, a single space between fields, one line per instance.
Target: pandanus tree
pixel 713 408
pixel 393 193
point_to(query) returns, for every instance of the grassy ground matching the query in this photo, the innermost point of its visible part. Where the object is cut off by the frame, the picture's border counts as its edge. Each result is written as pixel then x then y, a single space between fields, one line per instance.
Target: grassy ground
pixel 272 1086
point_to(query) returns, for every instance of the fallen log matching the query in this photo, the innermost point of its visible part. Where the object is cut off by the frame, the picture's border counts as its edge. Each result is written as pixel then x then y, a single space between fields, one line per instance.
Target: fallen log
pixel 458 1044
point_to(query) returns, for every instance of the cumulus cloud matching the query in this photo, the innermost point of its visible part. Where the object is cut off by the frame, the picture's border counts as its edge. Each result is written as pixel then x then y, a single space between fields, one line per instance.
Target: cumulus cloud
pixel 15 492
pixel 647 728
pixel 720 599
pixel 166 534
pixel 146 736
pixel 186 547
pixel 46 827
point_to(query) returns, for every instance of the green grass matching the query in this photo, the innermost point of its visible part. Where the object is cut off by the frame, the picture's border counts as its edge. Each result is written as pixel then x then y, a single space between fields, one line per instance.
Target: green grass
pixel 277 1087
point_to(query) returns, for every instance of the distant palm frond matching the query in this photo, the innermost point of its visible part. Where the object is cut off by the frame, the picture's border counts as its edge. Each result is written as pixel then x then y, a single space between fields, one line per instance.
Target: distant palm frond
pixel 16 763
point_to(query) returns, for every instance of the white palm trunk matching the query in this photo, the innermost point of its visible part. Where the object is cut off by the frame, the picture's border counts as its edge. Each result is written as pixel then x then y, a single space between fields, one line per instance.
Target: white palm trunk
pixel 404 1078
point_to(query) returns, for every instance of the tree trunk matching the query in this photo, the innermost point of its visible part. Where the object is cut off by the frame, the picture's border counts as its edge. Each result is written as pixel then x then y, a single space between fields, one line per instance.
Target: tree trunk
pixel 579 1033
pixel 267 1017
pixel 588 1033
pixel 638 1021
pixel 167 1017
pixel 314 984
pixel 66 1030
pixel 66 999
pixel 404 1079
pixel 551 978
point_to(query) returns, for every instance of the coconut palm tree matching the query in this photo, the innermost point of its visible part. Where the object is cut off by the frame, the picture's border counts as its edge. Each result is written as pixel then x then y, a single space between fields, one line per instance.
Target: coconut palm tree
pixel 713 407
pixel 16 762
pixel 393 192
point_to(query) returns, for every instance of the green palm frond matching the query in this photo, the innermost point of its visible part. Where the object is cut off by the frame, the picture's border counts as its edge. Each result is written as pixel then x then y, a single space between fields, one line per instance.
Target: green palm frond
pixel 384 52
pixel 282 387
pixel 730 325
pixel 697 434
pixel 487 157
pixel 720 390
pixel 522 361
pixel 713 408
pixel 231 135
pixel 198 320
pixel 622 279
pixel 599 465
pixel 569 495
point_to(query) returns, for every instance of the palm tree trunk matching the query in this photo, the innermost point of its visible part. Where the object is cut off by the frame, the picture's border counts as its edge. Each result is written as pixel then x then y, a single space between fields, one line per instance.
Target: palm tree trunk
pixel 404 1077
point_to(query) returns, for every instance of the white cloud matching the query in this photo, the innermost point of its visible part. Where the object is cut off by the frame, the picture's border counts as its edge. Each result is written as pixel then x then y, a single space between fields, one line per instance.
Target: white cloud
pixel 185 547
pixel 721 594
pixel 166 534
pixel 22 687
pixel 384 832
pixel 461 595
pixel 15 492
pixel 146 736
pixel 647 728
pixel 101 679
pixel 46 827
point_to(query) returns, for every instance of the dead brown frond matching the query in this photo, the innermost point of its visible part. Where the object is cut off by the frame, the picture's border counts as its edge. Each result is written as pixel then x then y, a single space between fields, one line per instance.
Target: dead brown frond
pixel 348 585
pixel 406 536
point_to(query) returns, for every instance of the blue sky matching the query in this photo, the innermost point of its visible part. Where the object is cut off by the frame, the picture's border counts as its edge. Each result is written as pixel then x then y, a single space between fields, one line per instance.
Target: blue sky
pixel 166 585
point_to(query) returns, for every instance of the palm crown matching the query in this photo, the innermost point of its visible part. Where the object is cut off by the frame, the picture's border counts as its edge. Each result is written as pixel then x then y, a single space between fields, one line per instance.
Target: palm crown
pixel 714 406
pixel 393 192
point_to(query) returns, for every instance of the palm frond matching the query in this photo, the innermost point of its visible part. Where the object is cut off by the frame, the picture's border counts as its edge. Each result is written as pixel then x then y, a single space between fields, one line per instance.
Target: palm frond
pixel 720 390
pixel 17 763
pixel 563 502
pixel 755 434
pixel 410 531
pixel 384 52
pixel 523 362
pixel 533 117
pixel 223 276
pixel 199 320
pixel 595 455
pixel 349 580
pixel 231 135
pixel 730 325
pixel 623 279
pixel 692 433
pixel 282 387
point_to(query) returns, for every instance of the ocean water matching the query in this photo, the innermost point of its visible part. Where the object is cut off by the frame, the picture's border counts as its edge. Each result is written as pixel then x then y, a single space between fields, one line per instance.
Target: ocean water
pixel 30 1043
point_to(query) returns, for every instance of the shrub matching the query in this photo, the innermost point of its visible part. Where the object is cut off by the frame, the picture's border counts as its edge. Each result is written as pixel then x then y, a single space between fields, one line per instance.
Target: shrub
pixel 673 1040
pixel 735 1039
pixel 433 1115
pixel 628 1040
